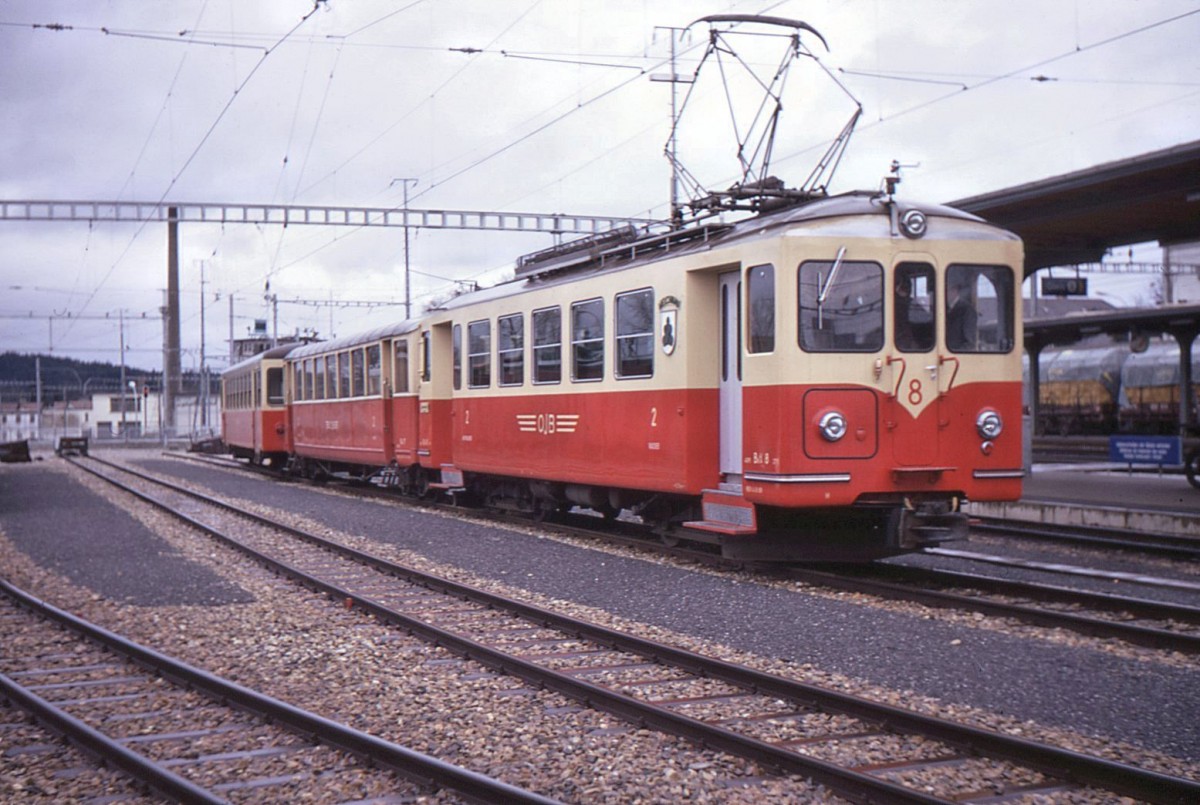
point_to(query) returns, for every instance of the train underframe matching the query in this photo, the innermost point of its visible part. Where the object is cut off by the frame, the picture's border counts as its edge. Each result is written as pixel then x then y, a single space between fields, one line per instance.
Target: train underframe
pixel 874 527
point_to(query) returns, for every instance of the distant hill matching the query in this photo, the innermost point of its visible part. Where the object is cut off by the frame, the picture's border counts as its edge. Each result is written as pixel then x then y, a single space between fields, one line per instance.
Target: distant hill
pixel 14 366
pixel 65 377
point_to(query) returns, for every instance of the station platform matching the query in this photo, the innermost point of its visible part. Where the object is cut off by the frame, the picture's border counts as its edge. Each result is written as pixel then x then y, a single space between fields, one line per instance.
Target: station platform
pixel 1104 495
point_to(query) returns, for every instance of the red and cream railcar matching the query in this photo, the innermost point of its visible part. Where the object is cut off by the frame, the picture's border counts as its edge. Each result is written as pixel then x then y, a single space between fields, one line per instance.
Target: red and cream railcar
pixel 352 407
pixel 253 408
pixel 828 381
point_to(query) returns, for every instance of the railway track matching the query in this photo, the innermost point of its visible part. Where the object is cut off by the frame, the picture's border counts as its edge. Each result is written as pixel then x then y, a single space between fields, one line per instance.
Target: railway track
pixel 1133 620
pixel 863 750
pixel 1139 622
pixel 193 737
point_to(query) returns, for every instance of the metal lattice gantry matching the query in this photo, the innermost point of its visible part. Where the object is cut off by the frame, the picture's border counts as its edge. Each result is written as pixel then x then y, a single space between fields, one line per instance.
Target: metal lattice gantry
pixel 288 214
pixel 174 213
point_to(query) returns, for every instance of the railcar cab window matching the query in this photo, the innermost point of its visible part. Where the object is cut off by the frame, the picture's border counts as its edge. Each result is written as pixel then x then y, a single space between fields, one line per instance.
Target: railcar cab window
pixel 635 334
pixel 511 349
pixel 760 302
pixel 547 345
pixel 587 340
pixel 479 354
pixel 841 306
pixel 979 308
pixel 913 306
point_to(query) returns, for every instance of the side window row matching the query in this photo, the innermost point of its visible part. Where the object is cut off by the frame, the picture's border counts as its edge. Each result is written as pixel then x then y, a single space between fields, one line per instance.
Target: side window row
pixel 633 343
pixel 339 375
pixel 239 391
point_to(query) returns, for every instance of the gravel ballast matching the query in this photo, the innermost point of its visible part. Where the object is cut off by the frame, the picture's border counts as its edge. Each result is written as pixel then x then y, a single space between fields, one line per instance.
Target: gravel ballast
pixel 1076 685
pixel 816 637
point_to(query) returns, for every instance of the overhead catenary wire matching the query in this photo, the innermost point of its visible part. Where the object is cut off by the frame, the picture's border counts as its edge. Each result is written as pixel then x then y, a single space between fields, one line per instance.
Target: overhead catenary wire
pixel 200 145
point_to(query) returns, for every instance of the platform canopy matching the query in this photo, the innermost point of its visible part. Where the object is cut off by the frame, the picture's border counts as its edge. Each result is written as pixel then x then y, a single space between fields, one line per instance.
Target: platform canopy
pixel 1077 217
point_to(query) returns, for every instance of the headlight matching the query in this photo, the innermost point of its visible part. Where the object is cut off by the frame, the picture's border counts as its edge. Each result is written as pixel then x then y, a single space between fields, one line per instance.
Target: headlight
pixel 989 424
pixel 833 426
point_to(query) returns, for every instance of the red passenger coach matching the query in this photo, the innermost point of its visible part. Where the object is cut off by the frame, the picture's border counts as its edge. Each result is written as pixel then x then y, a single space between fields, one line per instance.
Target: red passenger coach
pixel 351 405
pixel 253 408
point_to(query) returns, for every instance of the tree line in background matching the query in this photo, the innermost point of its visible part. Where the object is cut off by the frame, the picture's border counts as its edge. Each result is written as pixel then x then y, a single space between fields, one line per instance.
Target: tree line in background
pixel 70 379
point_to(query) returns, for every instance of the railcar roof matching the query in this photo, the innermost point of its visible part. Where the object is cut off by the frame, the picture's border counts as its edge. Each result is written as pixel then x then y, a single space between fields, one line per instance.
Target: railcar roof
pixel 564 265
pixel 273 352
pixel 355 339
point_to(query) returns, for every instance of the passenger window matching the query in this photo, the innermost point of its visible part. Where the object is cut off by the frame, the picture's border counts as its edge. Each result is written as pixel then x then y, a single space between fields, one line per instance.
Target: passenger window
pixel 479 354
pixel 587 340
pixel 297 382
pixel 547 345
pixel 913 305
pixel 358 374
pixel 457 349
pixel 344 374
pixel 275 386
pixel 374 369
pixel 426 356
pixel 319 377
pixel 760 301
pixel 400 379
pixel 979 308
pixel 635 334
pixel 841 306
pixel 331 376
pixel 511 349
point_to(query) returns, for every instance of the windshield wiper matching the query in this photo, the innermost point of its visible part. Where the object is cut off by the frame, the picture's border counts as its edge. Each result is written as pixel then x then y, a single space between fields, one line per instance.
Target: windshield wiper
pixel 828 286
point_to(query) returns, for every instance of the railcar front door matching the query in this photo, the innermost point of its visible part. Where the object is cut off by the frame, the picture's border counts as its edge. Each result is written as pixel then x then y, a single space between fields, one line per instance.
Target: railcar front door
pixel 730 373
pixel 913 408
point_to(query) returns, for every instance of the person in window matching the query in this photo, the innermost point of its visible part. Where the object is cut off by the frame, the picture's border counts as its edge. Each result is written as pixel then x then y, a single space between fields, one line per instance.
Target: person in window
pixel 904 329
pixel 962 321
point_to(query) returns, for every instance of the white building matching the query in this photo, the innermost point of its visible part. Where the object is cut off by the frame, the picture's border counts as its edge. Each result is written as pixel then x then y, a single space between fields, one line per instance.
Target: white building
pixel 19 421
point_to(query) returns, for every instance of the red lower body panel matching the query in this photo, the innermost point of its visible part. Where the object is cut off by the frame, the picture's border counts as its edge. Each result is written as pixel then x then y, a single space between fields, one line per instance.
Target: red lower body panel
pixel 346 431
pixel 663 441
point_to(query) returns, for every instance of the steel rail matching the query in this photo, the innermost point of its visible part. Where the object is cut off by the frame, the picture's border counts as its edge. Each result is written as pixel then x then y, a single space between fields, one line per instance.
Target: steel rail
pixel 1138 607
pixel 1056 762
pixel 414 765
pixel 903 589
pixel 1064 569
pixel 106 749
pixel 1179 547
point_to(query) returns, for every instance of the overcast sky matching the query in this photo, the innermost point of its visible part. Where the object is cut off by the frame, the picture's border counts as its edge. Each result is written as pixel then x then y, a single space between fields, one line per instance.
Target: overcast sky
pixel 518 105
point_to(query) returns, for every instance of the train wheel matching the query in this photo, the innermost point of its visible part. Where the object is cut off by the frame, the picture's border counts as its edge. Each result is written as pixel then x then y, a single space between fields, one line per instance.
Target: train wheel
pixel 1191 467
pixel 421 483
